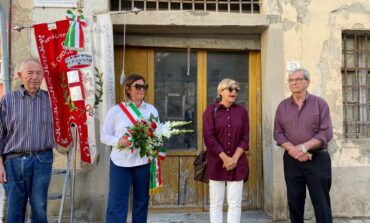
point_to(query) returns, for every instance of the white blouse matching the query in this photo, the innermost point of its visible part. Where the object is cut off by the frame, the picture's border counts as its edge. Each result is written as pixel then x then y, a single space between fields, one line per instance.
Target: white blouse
pixel 115 125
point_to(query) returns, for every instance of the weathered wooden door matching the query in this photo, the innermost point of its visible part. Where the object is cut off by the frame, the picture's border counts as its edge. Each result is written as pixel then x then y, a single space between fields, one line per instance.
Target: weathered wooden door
pixel 181 85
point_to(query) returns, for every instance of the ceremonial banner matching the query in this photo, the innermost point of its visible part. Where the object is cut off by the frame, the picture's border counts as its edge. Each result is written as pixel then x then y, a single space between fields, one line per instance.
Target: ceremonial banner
pixel 52 54
pixel 71 84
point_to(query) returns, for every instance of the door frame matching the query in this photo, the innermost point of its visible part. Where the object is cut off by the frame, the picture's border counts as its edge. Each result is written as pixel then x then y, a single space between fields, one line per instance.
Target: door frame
pixel 143 63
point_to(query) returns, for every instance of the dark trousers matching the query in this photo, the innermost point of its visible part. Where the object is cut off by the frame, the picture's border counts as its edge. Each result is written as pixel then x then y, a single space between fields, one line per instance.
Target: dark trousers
pixel 120 181
pixel 316 174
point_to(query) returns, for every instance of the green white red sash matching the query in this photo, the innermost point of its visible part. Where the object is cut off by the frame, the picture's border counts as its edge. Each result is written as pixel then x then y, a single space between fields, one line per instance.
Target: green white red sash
pixel 75 35
pixel 128 113
pixel 155 167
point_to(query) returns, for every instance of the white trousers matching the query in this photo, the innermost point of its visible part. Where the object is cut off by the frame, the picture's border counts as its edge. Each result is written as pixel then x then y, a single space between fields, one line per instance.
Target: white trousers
pixel 234 200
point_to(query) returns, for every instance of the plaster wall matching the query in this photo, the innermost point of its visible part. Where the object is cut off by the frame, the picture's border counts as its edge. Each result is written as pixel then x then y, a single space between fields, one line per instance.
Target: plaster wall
pixel 308 31
pixel 19 42
pixel 311 34
pixel 272 70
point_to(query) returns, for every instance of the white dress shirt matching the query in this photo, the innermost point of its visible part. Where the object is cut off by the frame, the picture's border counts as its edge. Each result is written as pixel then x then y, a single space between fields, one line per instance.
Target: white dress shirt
pixel 115 125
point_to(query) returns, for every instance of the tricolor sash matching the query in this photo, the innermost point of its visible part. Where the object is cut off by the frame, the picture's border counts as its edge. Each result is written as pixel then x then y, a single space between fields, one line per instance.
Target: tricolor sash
pixel 155 184
pixel 127 112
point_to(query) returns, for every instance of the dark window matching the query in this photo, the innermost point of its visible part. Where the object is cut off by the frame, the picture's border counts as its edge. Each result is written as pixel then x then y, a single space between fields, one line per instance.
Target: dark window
pixel 235 6
pixel 175 93
pixel 356 81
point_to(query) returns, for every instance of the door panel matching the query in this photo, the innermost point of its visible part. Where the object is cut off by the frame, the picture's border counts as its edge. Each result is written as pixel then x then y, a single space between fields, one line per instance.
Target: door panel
pixel 137 60
pixel 180 192
pixel 170 188
pixel 225 64
pixel 175 93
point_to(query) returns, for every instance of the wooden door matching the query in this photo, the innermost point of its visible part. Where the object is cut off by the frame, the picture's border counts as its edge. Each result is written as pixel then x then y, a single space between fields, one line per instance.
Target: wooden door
pixel 179 89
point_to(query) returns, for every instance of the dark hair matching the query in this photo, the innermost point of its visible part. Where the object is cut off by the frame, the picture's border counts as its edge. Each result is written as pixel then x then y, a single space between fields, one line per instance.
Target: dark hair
pixel 128 82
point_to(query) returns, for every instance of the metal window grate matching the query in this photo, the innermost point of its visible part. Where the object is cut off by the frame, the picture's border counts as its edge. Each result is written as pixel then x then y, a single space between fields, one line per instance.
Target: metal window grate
pixel 356 82
pixel 236 6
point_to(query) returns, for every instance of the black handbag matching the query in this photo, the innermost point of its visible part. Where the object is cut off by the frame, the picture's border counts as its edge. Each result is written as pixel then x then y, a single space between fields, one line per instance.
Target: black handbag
pixel 200 167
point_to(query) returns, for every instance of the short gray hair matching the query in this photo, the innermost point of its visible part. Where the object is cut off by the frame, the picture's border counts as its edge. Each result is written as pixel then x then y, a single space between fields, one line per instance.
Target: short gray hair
pixel 24 62
pixel 306 73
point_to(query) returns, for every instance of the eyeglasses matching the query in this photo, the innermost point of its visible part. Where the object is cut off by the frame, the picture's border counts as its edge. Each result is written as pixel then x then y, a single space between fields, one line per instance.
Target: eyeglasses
pixel 140 86
pixel 231 89
pixel 296 80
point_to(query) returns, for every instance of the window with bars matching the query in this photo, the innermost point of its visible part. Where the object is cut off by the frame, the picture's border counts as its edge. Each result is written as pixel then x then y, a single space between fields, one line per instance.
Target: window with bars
pixel 356 82
pixel 237 6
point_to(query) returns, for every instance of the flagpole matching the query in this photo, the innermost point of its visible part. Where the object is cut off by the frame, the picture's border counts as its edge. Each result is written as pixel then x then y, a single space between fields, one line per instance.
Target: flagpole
pixel 73 172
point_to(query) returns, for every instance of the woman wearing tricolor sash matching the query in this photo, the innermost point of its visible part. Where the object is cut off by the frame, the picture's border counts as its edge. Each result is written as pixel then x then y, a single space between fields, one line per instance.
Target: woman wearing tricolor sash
pixel 126 166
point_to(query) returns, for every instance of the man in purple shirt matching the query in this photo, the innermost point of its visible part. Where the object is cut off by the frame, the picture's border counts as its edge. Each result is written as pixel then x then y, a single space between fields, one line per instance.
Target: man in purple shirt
pixel 303 129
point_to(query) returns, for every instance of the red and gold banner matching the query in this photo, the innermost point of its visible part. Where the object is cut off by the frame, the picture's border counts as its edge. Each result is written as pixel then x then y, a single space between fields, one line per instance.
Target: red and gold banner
pixel 66 67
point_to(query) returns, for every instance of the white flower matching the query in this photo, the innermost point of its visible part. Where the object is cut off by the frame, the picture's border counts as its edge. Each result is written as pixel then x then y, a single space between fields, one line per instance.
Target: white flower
pixel 163 130
pixel 166 130
pixel 178 123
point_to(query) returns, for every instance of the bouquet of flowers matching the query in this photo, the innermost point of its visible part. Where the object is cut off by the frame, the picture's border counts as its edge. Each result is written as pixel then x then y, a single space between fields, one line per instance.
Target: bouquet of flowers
pixel 149 136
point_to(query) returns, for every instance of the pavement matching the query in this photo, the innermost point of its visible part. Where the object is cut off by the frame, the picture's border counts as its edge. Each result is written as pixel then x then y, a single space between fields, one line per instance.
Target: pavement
pixel 203 217
pixel 247 217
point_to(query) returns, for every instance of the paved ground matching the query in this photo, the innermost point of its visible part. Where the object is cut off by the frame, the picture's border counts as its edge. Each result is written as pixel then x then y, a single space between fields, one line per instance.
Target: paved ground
pixel 203 217
pixel 247 217
pixel 250 217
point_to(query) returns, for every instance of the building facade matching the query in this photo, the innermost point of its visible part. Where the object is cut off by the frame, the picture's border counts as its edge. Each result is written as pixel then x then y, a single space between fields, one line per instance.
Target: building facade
pixel 185 47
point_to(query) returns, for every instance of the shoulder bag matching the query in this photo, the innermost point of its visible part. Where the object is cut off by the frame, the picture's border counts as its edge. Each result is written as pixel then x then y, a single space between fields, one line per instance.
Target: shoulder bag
pixel 200 162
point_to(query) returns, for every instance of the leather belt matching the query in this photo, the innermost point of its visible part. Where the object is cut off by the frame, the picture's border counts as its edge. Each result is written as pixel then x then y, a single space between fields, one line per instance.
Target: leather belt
pixel 325 150
pixel 22 154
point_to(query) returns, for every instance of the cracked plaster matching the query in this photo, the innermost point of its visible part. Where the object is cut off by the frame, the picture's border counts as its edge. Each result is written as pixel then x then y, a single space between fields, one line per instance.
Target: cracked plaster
pixel 312 34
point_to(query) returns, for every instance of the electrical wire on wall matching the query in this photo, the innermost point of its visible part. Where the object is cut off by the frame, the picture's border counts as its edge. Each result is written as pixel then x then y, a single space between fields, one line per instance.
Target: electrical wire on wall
pixel 188 61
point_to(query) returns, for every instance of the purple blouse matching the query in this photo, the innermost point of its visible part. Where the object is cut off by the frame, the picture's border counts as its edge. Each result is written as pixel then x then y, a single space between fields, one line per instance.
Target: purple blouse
pixel 299 126
pixel 224 132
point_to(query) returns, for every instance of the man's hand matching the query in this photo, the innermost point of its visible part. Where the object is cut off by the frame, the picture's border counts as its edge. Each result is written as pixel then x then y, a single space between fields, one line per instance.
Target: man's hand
pixel 305 157
pixel 296 152
pixel 2 173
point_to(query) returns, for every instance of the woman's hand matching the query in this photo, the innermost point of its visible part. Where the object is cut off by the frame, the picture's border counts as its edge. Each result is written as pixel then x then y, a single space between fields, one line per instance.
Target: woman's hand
pixel 238 153
pixel 124 142
pixel 228 162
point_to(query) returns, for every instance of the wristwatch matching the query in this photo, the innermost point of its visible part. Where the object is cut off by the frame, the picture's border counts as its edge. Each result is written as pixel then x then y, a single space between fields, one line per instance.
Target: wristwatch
pixel 303 148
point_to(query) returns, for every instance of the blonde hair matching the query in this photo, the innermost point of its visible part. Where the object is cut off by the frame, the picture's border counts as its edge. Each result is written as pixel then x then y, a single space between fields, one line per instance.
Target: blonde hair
pixel 225 83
